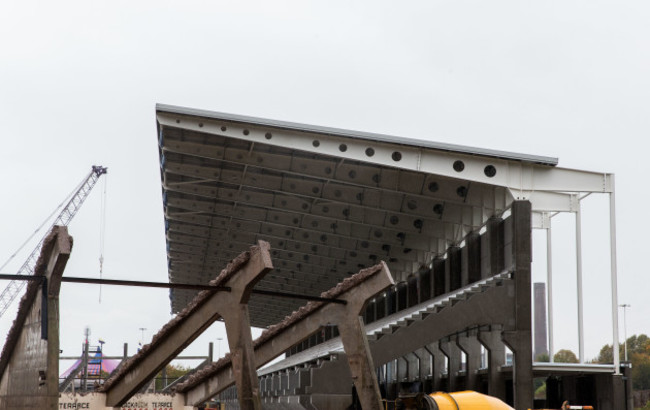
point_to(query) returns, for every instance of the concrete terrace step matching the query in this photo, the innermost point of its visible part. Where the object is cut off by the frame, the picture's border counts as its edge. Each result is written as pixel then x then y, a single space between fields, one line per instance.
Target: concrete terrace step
pixel 387 325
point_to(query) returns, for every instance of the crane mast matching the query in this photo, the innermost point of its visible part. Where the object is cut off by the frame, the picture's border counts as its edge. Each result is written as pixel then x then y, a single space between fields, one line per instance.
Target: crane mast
pixel 63 219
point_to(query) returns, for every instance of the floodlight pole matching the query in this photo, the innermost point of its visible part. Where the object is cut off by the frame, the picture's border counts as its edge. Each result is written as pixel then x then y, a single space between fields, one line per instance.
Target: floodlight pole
pixel 614 276
pixel 581 330
pixel 549 287
pixel 625 306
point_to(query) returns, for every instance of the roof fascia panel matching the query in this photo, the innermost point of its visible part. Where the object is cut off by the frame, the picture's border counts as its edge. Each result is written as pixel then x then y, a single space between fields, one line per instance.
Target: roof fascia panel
pixel 292 126
pixel 515 173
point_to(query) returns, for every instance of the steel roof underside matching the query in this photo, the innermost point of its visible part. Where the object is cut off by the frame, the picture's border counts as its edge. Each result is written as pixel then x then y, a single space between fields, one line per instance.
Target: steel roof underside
pixel 230 180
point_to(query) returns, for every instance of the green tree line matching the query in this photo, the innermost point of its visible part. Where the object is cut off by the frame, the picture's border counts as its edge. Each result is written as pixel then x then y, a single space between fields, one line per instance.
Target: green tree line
pixel 638 353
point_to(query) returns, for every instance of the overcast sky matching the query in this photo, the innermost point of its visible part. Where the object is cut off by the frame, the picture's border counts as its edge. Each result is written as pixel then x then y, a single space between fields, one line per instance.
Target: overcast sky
pixel 79 82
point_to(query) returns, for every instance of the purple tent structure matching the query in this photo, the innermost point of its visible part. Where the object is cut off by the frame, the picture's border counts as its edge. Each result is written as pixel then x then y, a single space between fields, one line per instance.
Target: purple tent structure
pixel 94 363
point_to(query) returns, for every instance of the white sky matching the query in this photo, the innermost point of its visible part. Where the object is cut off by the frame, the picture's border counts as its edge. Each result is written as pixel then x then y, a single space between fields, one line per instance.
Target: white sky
pixel 79 82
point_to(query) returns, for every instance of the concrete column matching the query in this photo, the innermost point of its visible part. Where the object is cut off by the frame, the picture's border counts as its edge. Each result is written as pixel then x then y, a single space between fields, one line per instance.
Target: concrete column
pixel 519 339
pixel 439 277
pixel 413 371
pixel 473 263
pixel 425 284
pixel 438 365
pixel 451 350
pixel 29 366
pixel 492 248
pixel 402 369
pixel 355 344
pixel 454 268
pixel 243 360
pixel 413 294
pixel 496 358
pixel 402 296
pixel 425 365
pixel 472 348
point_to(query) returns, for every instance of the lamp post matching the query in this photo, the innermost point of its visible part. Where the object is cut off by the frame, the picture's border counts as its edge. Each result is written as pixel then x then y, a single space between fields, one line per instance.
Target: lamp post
pixel 219 339
pixel 625 306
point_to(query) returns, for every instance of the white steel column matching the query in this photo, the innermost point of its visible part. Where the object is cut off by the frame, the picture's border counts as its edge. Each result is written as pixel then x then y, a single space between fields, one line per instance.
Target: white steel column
pixel 549 287
pixel 614 277
pixel 581 330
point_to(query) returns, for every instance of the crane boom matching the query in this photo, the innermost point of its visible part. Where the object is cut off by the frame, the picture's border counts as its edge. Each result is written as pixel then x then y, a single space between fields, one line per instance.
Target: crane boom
pixel 65 216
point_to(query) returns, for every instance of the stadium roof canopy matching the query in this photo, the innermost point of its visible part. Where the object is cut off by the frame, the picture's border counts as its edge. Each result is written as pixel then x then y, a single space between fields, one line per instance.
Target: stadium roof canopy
pixel 333 201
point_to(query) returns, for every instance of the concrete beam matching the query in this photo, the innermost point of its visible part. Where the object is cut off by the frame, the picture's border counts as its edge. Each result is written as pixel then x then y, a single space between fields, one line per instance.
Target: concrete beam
pixel 240 275
pixel 356 291
pixel 29 364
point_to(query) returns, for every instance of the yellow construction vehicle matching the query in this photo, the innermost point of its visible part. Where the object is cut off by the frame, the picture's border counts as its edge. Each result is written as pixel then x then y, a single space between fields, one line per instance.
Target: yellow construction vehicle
pixel 462 400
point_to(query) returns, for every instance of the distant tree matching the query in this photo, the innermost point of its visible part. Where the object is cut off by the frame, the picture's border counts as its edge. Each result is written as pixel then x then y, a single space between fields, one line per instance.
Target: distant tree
pixel 173 373
pixel 635 344
pixel 640 371
pixel 542 358
pixel 565 356
pixel 638 351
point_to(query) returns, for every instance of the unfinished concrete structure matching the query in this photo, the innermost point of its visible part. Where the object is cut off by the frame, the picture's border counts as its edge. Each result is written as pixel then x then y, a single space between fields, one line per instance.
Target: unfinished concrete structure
pixel 29 364
pixel 333 201
pixel 240 277
pixel 355 291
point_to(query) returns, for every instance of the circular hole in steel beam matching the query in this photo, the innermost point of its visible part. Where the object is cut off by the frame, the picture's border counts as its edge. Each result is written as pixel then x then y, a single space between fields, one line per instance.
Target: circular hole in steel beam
pixel 246 132
pixel 315 143
pixel 461 191
pixel 459 166
pixel 223 128
pixel 343 147
pixel 490 171
pixel 268 135
pixel 370 151
pixel 396 156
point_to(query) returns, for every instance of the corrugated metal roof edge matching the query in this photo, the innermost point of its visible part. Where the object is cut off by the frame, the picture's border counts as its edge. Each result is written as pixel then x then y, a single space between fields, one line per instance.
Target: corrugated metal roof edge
pixel 536 159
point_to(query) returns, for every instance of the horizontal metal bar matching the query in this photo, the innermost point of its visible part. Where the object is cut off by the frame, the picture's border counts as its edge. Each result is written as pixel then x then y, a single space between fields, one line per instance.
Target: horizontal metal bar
pixel 121 282
pixel 145 284
pixel 172 286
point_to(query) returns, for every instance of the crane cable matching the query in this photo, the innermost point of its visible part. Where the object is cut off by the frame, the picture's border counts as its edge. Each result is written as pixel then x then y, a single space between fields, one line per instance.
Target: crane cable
pixel 102 234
